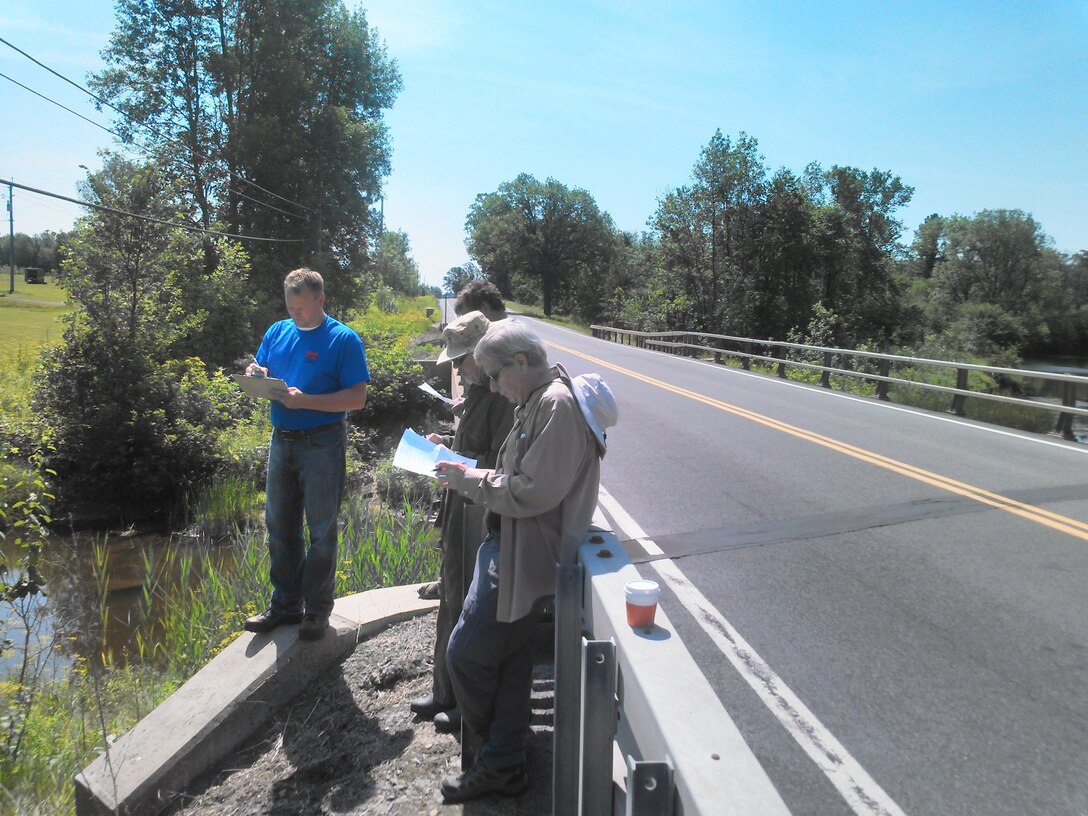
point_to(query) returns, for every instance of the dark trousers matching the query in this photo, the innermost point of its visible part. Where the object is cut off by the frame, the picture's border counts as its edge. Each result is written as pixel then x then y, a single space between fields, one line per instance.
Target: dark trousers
pixel 450 602
pixel 305 481
pixel 491 666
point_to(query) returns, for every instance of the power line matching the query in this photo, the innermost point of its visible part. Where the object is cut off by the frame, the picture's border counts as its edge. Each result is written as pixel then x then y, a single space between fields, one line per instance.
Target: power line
pixel 59 105
pixel 108 104
pixel 186 227
pixel 145 150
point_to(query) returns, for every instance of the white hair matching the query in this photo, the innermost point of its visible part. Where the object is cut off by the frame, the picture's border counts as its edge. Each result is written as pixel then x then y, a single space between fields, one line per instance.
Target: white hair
pixel 506 338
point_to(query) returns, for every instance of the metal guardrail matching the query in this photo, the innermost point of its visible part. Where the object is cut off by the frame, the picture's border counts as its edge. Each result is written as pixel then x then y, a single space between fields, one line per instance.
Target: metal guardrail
pixel 695 343
pixel 638 730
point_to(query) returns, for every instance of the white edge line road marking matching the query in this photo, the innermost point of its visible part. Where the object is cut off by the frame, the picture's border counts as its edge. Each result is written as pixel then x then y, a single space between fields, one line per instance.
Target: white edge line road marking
pixel 859 790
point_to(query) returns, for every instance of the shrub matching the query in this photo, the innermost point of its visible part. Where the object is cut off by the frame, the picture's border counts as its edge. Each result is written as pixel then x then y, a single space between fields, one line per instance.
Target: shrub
pixel 132 436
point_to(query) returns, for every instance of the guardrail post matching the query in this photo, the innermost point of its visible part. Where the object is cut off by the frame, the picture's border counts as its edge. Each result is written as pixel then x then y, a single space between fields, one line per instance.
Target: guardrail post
pixel 825 376
pixel 1064 428
pixel 566 743
pixel 882 385
pixel 598 724
pixel 958 399
pixel 781 365
pixel 746 361
pixel 649 788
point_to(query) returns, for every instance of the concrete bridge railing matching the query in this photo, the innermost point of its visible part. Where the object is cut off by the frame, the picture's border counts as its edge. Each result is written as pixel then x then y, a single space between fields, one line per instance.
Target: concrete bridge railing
pixel 638 729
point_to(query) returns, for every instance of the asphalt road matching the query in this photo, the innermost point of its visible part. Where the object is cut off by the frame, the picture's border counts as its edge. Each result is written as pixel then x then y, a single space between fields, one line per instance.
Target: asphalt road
pixel 891 604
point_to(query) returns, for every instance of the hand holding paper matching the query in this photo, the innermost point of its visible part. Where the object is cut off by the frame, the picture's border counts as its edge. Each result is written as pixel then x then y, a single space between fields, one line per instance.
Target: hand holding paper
pixel 416 454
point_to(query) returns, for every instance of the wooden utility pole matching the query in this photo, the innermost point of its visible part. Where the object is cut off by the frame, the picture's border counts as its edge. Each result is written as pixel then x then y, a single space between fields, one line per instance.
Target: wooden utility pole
pixel 11 234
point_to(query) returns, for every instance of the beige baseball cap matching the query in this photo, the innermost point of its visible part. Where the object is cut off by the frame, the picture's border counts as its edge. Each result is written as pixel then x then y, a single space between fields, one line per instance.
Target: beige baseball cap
pixel 462 335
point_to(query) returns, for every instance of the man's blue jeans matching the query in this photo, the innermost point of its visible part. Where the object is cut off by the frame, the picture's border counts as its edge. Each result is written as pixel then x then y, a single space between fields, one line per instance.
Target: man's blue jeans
pixel 305 478
pixel 491 665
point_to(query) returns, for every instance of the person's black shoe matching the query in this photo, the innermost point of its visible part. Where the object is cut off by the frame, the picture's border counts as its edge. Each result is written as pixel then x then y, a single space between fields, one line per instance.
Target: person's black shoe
pixel 448 722
pixel 479 781
pixel 269 619
pixel 313 626
pixel 427 707
pixel 431 591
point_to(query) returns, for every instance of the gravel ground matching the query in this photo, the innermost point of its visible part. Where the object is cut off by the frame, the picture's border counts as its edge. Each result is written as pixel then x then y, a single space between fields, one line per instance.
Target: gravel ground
pixel 350 745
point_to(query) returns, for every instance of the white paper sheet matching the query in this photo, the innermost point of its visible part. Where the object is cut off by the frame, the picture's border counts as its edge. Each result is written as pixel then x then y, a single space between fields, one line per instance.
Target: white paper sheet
pixel 416 454
pixel 427 387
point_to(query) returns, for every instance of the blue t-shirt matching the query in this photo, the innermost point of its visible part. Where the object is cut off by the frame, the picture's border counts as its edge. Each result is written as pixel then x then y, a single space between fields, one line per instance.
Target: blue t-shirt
pixel 319 361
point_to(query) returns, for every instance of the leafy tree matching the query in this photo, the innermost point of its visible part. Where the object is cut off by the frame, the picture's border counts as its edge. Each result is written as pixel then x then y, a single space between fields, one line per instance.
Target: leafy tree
pixel 269 115
pixel 859 272
pixel 458 276
pixel 542 235
pixel 394 263
pixel 929 245
pixel 787 259
pixel 993 257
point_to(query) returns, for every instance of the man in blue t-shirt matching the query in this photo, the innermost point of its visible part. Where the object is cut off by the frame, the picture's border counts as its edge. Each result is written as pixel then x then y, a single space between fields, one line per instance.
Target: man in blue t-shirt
pixel 324 365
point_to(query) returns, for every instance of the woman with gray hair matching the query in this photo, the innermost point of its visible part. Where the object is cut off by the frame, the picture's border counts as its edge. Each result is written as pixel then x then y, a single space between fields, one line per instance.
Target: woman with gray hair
pixel 484 424
pixel 540 499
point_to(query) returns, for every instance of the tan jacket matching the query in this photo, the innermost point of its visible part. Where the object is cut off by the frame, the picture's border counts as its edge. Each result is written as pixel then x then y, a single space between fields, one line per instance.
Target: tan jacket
pixel 545 489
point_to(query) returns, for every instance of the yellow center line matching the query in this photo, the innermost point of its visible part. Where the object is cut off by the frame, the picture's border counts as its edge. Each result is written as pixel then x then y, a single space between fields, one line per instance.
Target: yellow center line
pixel 1039 515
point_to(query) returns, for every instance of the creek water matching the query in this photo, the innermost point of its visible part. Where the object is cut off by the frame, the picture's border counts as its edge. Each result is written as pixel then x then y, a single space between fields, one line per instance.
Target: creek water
pixel 69 608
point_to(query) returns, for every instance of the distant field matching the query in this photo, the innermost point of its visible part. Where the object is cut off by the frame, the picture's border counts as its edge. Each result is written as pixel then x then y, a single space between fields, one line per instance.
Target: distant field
pixel 30 317
pixel 38 292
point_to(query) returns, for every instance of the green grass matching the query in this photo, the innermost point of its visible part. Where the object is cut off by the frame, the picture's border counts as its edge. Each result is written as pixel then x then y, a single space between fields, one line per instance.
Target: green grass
pixel 48 293
pixel 25 329
pixel 566 321
pixel 29 326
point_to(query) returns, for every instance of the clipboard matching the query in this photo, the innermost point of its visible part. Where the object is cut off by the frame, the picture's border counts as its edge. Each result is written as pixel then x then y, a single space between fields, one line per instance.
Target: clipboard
pixel 263 387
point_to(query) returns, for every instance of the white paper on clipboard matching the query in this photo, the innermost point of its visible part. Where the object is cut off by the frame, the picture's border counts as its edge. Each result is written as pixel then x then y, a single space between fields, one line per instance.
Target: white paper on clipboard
pixel 263 387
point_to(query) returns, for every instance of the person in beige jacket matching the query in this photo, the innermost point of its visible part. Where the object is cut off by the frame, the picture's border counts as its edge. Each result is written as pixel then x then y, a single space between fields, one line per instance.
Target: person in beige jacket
pixel 540 500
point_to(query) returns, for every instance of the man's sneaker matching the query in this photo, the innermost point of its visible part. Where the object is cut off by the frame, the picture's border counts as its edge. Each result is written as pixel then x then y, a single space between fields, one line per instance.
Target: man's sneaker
pixel 313 626
pixel 479 780
pixel 269 619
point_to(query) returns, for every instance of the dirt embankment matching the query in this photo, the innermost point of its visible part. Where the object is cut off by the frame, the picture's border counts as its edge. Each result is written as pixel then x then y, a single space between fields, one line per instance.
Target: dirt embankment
pixel 350 745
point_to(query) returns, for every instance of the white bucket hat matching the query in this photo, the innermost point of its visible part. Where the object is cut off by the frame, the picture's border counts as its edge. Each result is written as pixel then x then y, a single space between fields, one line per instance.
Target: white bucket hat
pixel 598 405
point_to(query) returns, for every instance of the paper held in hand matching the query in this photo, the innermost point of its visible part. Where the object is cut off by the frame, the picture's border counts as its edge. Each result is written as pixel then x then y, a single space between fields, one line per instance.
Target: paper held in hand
pixel 265 387
pixel 416 454
pixel 429 389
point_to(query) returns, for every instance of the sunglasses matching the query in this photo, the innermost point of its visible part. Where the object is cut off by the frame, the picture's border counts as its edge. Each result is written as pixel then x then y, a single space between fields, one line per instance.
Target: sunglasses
pixel 495 377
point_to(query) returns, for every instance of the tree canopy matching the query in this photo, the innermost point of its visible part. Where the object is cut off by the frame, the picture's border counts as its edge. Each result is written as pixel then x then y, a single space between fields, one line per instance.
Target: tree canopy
pixel 814 255
pixel 269 115
pixel 539 236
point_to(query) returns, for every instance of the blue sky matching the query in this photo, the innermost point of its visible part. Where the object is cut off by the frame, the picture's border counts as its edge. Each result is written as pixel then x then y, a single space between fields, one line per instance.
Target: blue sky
pixel 975 105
